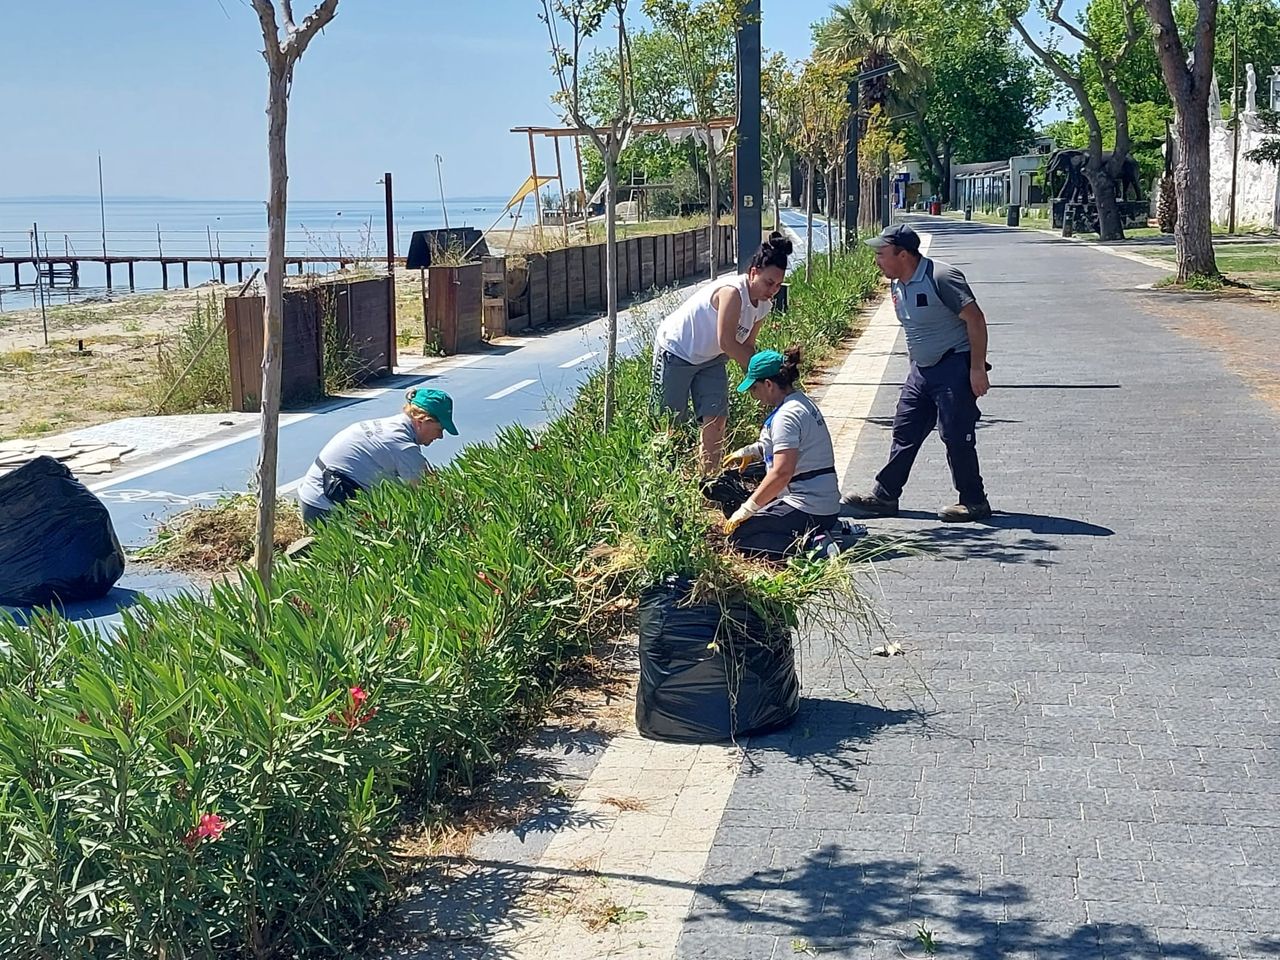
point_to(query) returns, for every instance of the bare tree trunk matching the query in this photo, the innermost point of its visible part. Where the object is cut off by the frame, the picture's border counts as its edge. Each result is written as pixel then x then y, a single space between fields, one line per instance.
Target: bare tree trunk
pixel 281 55
pixel 808 227
pixel 273 317
pixel 713 193
pixel 832 190
pixel 611 277
pixel 1193 230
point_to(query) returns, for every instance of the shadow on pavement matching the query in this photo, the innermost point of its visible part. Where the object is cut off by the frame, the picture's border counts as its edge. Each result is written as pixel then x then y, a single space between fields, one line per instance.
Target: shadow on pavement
pixel 982 540
pixel 840 901
pixel 821 739
pixel 132 588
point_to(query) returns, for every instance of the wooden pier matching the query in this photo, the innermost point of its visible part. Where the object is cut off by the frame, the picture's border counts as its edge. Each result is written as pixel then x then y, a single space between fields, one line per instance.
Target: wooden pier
pixel 66 268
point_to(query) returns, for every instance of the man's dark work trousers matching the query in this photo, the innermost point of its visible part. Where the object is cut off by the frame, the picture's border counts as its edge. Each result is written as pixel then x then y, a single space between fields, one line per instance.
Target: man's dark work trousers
pixel 939 395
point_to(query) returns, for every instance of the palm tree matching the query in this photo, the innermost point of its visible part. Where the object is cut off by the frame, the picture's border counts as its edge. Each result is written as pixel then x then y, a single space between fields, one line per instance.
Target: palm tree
pixel 865 35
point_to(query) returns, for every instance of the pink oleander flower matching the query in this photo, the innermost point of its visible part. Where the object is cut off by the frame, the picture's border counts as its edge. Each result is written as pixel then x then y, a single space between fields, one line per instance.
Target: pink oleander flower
pixel 210 827
pixel 355 714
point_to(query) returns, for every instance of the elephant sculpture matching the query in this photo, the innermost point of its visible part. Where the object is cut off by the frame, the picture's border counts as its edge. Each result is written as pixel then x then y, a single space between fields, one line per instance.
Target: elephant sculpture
pixel 1071 164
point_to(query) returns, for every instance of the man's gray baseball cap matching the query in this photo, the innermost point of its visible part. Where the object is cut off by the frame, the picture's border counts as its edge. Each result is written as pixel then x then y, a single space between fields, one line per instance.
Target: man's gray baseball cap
pixel 900 235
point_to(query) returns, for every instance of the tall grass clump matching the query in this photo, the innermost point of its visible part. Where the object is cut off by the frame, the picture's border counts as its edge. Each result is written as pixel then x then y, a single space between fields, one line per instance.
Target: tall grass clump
pixel 223 776
pixel 194 370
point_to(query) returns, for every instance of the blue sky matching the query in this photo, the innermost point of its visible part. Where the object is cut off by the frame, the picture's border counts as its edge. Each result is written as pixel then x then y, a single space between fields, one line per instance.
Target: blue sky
pixel 172 92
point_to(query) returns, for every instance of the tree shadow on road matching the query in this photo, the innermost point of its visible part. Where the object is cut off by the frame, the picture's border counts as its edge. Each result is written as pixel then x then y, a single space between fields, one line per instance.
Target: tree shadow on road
pixel 1004 537
pixel 839 901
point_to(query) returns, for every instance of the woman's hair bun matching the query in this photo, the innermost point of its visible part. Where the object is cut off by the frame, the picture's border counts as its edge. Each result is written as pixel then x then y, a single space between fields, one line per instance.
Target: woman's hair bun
pixel 781 243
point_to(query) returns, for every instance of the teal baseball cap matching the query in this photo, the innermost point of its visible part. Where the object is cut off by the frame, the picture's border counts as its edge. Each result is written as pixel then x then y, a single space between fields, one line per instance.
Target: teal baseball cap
pixel 765 364
pixel 437 403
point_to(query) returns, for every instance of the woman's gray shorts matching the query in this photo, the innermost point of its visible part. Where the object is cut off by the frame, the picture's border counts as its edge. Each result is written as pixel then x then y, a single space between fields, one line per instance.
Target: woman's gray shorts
pixel 676 382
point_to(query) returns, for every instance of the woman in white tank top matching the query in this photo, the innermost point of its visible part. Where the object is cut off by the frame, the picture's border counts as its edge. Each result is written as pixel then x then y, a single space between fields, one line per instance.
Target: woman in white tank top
pixel 720 319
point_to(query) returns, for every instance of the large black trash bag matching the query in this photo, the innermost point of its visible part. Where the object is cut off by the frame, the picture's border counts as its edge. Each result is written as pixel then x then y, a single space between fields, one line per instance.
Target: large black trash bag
pixel 56 538
pixel 692 693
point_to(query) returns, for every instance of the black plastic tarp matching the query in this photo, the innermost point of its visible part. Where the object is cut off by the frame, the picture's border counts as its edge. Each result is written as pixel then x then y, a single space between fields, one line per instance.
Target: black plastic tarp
pixel 708 674
pixel 56 538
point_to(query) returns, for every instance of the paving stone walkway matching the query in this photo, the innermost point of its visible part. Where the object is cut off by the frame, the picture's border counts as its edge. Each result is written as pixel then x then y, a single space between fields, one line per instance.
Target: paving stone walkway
pixel 1079 756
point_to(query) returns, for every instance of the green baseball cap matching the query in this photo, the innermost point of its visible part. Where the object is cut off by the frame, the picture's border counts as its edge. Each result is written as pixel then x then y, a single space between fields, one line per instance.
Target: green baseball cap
pixel 765 364
pixel 437 403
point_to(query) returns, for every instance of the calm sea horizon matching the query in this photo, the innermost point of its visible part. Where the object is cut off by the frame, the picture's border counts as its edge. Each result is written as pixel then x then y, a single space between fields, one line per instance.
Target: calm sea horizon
pixel 195 228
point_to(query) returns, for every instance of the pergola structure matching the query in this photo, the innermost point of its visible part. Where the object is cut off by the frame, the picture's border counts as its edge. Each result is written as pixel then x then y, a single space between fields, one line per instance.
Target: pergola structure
pixel 676 129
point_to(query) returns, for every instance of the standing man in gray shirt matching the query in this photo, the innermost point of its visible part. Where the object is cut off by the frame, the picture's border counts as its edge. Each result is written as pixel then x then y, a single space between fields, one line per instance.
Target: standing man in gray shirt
pixel 947 343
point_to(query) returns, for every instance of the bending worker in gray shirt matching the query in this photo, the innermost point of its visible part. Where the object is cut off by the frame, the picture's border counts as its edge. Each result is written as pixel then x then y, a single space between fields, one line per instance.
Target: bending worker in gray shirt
pixel 947 342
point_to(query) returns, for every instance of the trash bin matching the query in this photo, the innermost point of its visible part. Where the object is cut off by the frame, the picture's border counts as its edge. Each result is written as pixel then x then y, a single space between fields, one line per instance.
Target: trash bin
pixel 935 208
pixel 1013 216
pixel 968 213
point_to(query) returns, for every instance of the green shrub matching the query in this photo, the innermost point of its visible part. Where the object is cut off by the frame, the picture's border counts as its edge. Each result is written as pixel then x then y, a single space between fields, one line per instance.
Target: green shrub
pixel 223 777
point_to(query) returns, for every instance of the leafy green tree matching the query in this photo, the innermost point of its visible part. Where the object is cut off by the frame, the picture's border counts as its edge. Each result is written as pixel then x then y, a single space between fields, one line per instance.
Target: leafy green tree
pixel 777 81
pixel 702 35
pixel 570 24
pixel 976 99
pixel 1098 62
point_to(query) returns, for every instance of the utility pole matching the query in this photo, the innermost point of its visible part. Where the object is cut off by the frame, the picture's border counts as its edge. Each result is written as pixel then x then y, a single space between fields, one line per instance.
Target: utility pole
pixel 440 180
pixel 853 188
pixel 391 274
pixel 748 164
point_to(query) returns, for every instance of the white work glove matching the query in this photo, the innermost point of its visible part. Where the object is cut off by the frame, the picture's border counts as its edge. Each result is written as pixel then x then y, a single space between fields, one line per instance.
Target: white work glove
pixel 741 515
pixel 740 459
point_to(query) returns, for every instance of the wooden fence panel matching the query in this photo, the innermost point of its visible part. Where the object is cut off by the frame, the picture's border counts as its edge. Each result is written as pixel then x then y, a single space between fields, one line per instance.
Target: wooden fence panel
pixel 539 294
pixel 576 258
pixel 593 276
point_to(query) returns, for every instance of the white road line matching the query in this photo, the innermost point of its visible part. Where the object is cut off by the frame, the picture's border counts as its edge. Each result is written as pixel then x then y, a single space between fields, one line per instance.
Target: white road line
pixel 433 367
pixel 577 360
pixel 510 390
pixel 192 454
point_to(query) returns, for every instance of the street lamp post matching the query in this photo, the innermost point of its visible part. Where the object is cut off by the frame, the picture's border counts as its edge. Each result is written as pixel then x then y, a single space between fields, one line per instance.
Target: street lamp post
pixel 748 155
pixel 852 186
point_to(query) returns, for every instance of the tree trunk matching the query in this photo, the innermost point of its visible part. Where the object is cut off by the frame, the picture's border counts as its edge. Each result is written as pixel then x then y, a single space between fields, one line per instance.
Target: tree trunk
pixel 273 317
pixel 808 227
pixel 611 276
pixel 1193 232
pixel 712 177
pixel 1110 223
pixel 1167 209
pixel 832 190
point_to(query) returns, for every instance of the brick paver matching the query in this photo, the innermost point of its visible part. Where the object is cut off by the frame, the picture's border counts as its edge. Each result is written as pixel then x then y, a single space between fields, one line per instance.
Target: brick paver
pixel 1079 756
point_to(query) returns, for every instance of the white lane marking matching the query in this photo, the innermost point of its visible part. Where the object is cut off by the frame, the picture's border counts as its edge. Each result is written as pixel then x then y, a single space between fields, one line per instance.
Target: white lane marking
pixel 577 360
pixel 434 367
pixel 510 390
pixel 193 453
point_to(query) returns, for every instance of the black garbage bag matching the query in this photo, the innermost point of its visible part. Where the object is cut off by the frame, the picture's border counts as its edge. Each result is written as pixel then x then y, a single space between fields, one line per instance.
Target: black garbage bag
pixel 693 693
pixel 56 538
pixel 731 489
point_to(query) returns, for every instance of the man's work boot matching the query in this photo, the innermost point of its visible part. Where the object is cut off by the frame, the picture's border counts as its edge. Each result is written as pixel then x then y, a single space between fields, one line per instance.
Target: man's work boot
pixel 870 504
pixel 965 512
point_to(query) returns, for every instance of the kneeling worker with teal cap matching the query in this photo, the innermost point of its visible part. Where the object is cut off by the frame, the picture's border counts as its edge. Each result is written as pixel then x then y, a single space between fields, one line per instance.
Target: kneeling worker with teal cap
pixel 800 493
pixel 371 451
